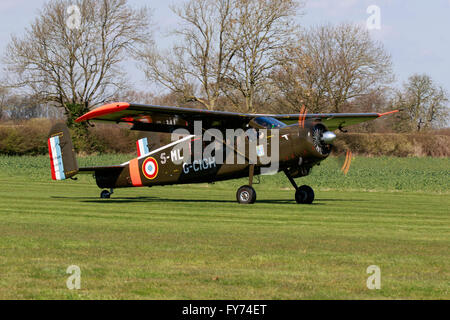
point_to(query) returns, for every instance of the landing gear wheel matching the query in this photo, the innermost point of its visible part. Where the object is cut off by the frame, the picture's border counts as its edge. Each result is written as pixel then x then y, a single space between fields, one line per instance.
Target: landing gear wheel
pixel 246 195
pixel 105 194
pixel 304 195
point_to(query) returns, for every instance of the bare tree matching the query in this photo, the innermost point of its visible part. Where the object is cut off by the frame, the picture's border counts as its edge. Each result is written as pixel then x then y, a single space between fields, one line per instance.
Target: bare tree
pixel 3 99
pixel 331 65
pixel 226 49
pixel 299 82
pixel 76 66
pixel 380 100
pixel 264 28
pixel 195 67
pixel 143 97
pixel 424 102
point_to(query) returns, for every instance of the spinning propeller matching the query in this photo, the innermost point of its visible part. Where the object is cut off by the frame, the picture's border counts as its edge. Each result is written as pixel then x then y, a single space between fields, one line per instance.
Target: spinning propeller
pixel 323 141
pixel 348 160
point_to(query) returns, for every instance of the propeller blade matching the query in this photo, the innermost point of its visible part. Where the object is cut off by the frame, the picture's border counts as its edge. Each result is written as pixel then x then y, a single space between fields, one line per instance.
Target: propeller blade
pixel 302 117
pixel 347 162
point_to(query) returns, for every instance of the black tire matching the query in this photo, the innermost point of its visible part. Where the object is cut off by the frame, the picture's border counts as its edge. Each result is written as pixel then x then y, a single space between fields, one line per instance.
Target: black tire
pixel 105 194
pixel 246 195
pixel 304 195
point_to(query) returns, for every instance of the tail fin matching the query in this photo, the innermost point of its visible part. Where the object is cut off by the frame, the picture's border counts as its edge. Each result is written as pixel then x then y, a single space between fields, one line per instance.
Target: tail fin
pixel 63 162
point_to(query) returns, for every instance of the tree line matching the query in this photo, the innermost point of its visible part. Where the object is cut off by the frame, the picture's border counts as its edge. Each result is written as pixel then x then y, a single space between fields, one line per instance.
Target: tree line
pixel 236 55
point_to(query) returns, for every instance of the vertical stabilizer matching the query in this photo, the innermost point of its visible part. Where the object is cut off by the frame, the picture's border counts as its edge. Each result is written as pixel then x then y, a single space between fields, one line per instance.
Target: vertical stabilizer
pixel 142 147
pixel 63 163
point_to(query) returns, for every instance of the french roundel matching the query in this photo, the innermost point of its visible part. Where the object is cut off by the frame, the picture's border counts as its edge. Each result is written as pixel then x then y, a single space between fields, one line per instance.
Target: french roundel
pixel 150 168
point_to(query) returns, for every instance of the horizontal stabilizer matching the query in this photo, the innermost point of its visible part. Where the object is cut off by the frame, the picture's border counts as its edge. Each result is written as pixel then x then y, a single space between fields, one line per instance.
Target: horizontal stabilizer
pixel 99 169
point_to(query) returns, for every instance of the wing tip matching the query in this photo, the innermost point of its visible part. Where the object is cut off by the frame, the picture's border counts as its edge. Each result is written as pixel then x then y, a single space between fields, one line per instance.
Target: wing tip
pixel 105 109
pixel 386 113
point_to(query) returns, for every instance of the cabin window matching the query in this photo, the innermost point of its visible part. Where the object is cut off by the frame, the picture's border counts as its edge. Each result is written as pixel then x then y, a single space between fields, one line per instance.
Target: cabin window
pixel 269 122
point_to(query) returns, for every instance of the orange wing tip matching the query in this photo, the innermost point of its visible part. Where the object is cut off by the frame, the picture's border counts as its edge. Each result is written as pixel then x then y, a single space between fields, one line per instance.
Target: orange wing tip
pixel 386 113
pixel 101 111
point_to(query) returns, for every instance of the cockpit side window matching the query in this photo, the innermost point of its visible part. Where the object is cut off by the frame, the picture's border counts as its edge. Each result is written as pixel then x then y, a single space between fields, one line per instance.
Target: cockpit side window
pixel 269 122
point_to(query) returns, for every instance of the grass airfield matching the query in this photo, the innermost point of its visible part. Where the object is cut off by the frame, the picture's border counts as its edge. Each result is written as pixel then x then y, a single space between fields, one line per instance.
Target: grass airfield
pixel 196 242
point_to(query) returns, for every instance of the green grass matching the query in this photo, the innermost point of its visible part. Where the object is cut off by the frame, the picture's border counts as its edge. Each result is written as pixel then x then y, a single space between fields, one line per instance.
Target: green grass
pixel 195 242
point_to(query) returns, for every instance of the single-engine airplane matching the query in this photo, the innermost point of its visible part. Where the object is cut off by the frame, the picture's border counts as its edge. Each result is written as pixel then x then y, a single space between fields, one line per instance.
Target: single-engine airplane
pixel 296 144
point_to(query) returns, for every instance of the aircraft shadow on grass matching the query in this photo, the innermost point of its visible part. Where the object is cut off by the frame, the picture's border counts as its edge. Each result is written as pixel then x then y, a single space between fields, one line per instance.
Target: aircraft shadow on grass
pixel 121 200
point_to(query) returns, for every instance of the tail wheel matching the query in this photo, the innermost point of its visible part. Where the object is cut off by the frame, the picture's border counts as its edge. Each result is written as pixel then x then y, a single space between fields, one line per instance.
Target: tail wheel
pixel 304 195
pixel 105 194
pixel 246 195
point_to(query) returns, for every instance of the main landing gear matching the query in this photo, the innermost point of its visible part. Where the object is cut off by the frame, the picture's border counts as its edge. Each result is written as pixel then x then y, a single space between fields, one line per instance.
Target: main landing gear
pixel 246 194
pixel 105 194
pixel 303 194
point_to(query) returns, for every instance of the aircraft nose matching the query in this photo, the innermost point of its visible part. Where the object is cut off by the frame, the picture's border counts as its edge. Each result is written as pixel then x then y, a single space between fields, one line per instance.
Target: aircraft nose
pixel 328 137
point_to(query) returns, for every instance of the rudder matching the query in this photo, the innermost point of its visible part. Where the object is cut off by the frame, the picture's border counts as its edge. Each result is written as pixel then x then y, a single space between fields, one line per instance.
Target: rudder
pixel 63 162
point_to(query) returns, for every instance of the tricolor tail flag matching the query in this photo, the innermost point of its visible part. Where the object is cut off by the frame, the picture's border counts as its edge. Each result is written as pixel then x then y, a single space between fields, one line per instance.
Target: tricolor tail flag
pixel 56 160
pixel 142 147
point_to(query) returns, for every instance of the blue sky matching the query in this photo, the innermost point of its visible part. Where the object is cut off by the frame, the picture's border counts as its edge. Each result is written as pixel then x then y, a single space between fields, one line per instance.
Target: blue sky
pixel 415 32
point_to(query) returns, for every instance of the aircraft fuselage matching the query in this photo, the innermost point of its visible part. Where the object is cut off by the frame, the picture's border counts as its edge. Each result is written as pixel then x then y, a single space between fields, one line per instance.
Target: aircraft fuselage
pixel 171 164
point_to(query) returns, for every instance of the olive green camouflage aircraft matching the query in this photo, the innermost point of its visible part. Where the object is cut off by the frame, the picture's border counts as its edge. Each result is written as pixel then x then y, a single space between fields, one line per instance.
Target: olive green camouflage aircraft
pixel 208 146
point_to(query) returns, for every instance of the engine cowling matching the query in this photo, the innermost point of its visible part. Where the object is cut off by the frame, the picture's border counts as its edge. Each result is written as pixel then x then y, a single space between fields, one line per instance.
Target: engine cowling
pixel 322 139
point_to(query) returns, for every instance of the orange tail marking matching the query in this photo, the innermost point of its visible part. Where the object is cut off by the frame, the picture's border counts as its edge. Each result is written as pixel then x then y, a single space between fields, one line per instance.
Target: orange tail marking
pixel 135 173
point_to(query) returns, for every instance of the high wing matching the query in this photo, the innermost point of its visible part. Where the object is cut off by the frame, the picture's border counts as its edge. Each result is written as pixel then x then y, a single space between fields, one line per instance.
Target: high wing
pixel 167 119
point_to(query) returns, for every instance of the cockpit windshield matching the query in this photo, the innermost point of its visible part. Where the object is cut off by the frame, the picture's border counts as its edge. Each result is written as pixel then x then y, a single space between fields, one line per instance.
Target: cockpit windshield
pixel 269 122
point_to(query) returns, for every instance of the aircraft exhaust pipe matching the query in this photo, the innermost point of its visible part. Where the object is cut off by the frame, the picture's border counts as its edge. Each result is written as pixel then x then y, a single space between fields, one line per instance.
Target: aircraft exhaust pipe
pixel 328 137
